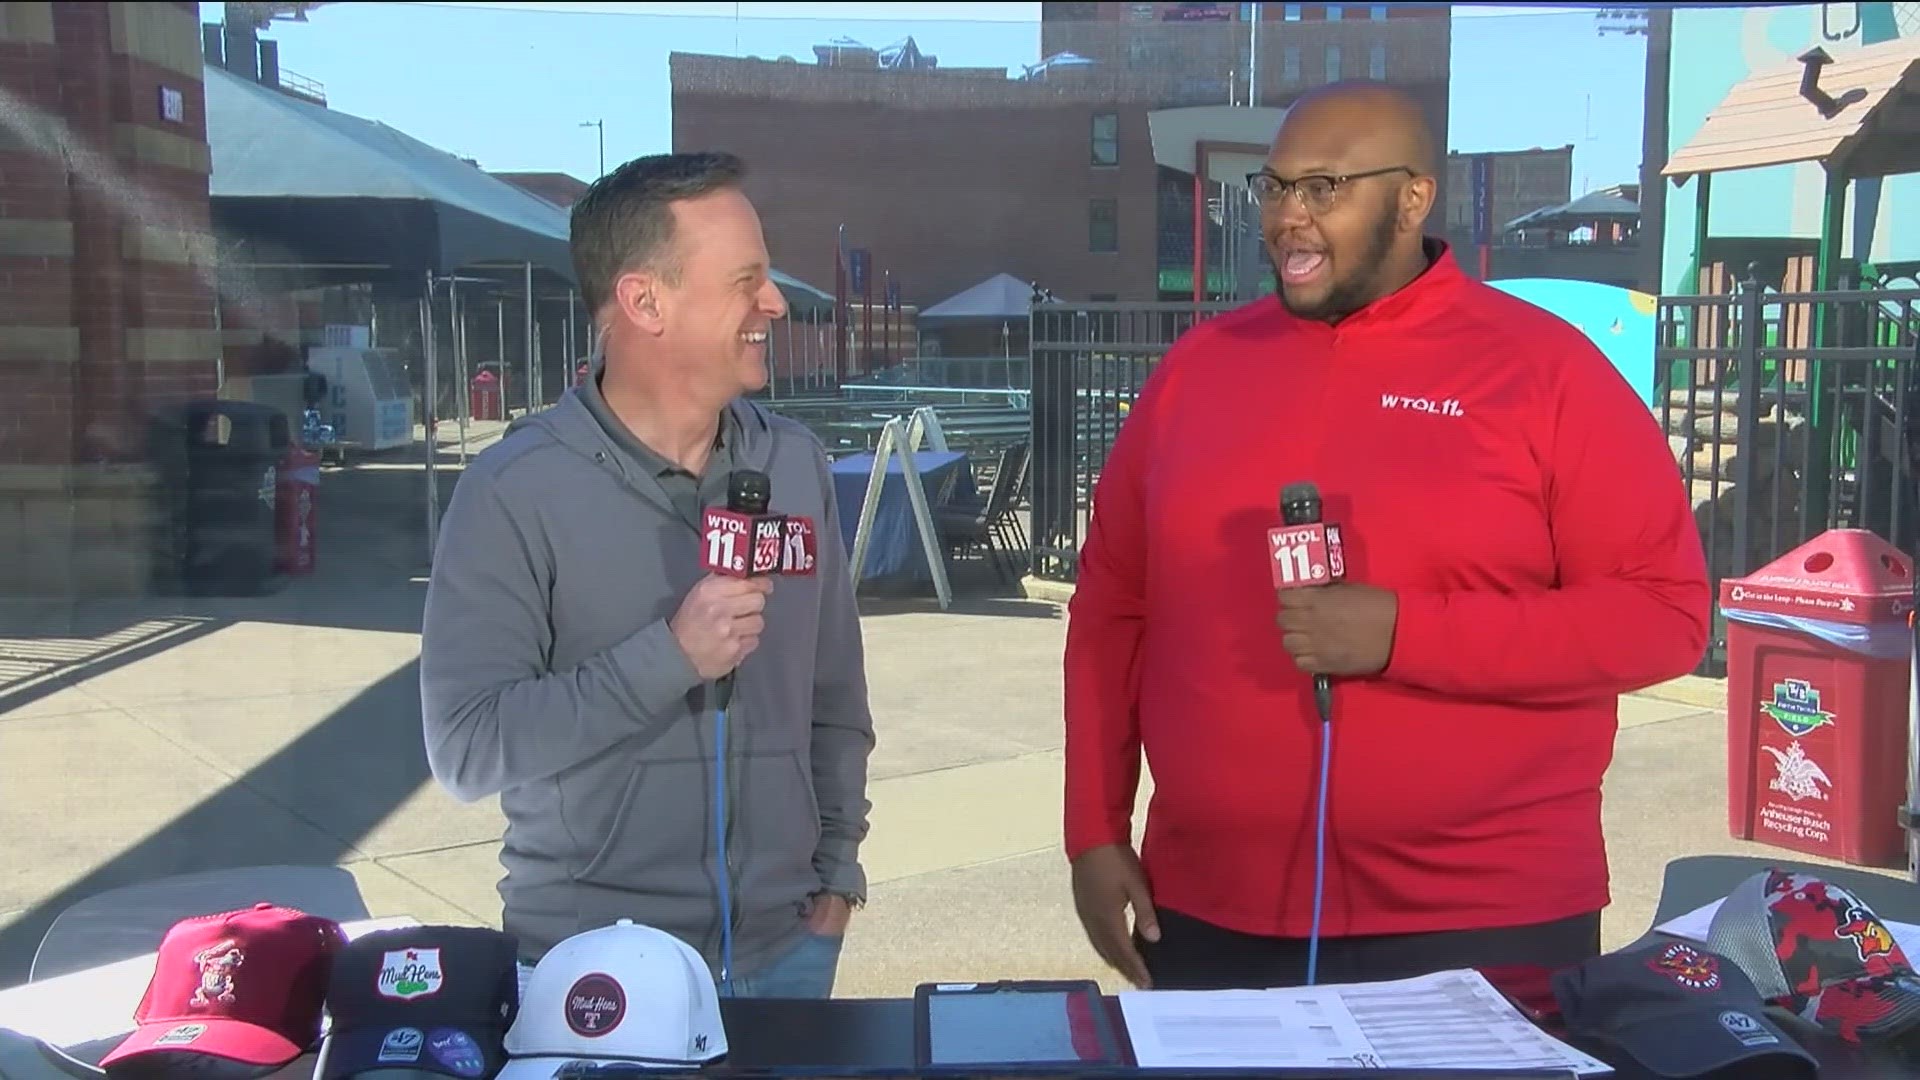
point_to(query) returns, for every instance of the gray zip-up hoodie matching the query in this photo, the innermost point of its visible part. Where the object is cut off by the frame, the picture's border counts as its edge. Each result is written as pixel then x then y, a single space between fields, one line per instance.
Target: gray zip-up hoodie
pixel 548 676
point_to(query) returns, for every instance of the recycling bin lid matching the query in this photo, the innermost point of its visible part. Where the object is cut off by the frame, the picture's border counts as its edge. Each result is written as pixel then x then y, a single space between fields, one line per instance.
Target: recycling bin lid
pixel 1842 576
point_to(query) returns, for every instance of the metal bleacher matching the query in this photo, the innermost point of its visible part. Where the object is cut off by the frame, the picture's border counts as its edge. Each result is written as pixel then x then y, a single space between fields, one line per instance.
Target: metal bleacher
pixel 849 425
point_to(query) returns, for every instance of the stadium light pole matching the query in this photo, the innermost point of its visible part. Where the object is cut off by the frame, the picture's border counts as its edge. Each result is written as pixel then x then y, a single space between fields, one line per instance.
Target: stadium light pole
pixel 602 125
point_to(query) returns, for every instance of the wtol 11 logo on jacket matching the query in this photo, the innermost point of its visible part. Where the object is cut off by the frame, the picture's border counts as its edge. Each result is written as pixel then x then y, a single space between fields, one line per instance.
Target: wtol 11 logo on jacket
pixel 1796 707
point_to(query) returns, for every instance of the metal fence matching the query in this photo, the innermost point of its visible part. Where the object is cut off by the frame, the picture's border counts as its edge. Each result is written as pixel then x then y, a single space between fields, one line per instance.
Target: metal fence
pixel 1088 362
pixel 1789 414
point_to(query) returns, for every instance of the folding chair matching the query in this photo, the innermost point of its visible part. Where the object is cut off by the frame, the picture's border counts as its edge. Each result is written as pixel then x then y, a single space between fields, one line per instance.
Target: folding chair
pixel 123 923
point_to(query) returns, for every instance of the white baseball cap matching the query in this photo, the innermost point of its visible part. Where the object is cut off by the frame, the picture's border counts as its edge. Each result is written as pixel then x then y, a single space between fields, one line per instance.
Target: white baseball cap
pixel 623 994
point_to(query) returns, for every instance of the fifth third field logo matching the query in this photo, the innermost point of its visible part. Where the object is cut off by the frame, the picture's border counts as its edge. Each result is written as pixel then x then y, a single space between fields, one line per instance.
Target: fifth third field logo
pixel 1796 707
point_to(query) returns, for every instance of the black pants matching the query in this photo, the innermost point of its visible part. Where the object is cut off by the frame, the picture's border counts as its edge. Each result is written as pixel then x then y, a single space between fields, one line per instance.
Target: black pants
pixel 1196 955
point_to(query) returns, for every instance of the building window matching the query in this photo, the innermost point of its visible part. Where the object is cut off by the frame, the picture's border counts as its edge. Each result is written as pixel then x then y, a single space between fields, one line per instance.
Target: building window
pixel 1377 62
pixel 1377 12
pixel 1335 13
pixel 1106 138
pixel 1292 13
pixel 1333 63
pixel 1103 226
pixel 1290 65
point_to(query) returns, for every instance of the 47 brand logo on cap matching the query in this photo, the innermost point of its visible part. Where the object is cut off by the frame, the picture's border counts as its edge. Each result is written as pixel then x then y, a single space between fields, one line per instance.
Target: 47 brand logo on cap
pixel 1746 1029
pixel 1687 966
pixel 410 973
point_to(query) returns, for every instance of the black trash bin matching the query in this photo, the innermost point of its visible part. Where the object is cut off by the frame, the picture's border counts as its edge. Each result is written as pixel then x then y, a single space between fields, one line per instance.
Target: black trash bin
pixel 219 463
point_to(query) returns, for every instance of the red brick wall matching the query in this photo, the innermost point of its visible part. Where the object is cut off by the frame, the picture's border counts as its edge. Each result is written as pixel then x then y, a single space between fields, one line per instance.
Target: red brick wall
pixel 949 178
pixel 73 262
pixel 946 189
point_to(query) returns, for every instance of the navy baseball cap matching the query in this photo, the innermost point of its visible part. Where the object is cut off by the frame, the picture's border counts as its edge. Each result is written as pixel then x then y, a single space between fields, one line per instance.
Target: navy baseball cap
pixel 1679 1012
pixel 430 1001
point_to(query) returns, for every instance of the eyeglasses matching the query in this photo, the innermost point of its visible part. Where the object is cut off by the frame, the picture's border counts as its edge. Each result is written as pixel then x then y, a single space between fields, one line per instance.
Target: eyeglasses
pixel 1316 193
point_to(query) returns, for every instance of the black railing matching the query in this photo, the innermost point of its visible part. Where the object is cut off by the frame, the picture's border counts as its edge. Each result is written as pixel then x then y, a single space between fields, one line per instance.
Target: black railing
pixel 1789 414
pixel 1088 363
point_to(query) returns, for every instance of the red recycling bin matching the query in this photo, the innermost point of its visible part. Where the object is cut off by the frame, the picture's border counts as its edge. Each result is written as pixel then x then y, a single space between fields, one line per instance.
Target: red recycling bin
pixel 1819 656
pixel 293 500
pixel 483 397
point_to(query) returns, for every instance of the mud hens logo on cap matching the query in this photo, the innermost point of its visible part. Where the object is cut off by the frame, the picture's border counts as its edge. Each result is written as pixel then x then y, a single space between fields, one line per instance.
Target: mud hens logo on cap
pixel 1687 966
pixel 595 1005
pixel 410 973
pixel 216 963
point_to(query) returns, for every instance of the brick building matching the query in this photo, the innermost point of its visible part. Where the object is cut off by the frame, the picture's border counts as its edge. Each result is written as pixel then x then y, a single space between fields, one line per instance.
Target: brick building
pixel 949 176
pixel 1518 181
pixel 106 303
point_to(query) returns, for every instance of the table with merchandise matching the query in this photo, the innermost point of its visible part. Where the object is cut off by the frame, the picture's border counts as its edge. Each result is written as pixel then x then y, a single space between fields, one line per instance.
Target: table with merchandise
pixel 1754 968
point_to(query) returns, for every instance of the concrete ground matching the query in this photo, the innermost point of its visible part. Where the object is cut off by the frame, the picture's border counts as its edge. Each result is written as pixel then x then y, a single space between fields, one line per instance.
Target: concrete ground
pixel 139 739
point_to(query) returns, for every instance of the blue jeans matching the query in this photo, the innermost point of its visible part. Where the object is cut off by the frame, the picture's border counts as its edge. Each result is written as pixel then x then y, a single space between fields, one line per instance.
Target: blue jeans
pixel 805 971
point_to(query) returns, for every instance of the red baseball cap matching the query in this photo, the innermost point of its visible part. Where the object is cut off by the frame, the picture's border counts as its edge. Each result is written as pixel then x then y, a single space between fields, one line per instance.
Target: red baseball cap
pixel 247 985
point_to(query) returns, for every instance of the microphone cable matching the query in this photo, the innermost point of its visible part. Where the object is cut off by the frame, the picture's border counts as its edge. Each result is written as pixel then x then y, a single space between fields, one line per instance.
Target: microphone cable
pixel 723 695
pixel 748 492
pixel 1323 703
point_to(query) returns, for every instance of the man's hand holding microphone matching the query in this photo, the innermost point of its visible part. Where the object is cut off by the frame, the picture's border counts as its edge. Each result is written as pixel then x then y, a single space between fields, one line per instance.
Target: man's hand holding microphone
pixel 1330 626
pixel 720 622
pixel 742 547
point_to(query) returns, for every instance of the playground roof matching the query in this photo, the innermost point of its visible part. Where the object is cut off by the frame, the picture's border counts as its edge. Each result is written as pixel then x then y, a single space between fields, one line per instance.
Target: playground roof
pixel 1767 118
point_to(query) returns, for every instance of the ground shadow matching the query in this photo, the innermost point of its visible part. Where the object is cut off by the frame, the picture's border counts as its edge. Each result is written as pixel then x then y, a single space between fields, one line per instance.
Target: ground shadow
pixel 245 823
pixel 993 607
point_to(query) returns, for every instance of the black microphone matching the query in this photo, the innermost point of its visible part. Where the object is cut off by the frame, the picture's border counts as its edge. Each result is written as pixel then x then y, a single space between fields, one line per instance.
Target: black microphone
pixel 742 541
pixel 748 491
pixel 1300 505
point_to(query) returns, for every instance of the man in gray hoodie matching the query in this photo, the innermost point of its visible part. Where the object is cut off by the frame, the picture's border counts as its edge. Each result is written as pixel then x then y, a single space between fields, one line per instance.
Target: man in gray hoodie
pixel 572 645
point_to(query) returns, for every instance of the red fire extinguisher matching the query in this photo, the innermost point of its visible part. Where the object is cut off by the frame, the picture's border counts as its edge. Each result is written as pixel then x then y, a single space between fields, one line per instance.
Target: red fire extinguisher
pixel 293 505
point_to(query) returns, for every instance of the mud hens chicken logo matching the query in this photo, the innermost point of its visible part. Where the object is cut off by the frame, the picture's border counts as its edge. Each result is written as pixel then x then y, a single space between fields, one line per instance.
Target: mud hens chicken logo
pixel 1687 966
pixel 1796 707
pixel 1870 937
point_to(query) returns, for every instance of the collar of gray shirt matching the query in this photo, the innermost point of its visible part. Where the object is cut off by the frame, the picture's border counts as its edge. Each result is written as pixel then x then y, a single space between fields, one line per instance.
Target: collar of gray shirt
pixel 688 492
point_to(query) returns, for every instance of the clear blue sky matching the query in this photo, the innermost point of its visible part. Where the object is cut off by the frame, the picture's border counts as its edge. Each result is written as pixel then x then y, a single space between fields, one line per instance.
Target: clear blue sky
pixel 509 83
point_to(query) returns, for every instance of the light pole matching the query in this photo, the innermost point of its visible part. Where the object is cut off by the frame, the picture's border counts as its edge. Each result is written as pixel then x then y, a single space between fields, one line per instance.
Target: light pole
pixel 602 125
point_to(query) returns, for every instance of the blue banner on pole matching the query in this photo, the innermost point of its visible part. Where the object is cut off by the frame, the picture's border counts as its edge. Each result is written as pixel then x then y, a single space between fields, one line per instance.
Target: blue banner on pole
pixel 1482 199
pixel 857 261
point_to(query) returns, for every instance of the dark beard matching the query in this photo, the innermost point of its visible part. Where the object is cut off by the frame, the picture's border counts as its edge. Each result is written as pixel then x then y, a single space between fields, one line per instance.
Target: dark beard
pixel 1362 286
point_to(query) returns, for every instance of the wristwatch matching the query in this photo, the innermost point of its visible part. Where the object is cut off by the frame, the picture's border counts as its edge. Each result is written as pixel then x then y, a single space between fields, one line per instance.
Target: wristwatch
pixel 854 900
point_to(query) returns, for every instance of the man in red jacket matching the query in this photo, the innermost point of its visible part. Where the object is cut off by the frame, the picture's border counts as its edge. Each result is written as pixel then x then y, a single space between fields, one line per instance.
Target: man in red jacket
pixel 1519 552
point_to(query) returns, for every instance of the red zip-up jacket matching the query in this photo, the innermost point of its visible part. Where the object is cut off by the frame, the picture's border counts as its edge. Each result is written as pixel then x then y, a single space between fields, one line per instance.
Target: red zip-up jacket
pixel 1488 465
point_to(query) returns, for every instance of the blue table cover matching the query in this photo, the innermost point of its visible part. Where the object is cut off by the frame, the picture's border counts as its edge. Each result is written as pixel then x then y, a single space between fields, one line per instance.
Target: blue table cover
pixel 894 551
